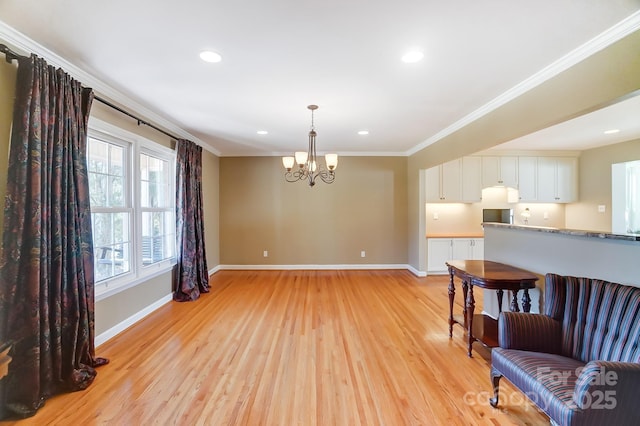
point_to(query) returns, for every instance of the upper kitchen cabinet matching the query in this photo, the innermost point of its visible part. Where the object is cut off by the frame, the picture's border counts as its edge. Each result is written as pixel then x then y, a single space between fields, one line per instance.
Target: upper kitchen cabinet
pixel 471 179
pixel 500 171
pixel 456 181
pixel 444 182
pixel 557 179
pixel 528 179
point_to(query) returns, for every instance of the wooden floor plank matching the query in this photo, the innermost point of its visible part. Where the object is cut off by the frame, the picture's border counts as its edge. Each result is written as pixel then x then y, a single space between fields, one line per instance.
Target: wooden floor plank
pixel 295 348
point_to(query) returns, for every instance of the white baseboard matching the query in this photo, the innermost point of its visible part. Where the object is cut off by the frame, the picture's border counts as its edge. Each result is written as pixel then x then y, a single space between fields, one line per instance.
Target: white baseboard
pixel 118 328
pixel 416 272
pixel 214 270
pixel 359 266
pixel 309 267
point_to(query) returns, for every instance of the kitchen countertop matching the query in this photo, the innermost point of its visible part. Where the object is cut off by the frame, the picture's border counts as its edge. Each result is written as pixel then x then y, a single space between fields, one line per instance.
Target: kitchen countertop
pixel 573 232
pixel 461 235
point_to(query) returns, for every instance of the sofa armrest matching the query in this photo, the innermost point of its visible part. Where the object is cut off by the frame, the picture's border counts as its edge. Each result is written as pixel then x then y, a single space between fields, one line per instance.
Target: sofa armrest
pixel 529 332
pixel 606 392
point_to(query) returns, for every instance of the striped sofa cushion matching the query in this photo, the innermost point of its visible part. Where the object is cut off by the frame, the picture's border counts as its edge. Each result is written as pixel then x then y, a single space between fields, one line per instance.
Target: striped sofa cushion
pixel 547 379
pixel 600 320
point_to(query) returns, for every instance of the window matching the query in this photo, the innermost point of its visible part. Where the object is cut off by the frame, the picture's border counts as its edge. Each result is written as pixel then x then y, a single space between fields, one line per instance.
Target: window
pixel 625 197
pixel 157 207
pixel 111 214
pixel 131 185
pixel 633 198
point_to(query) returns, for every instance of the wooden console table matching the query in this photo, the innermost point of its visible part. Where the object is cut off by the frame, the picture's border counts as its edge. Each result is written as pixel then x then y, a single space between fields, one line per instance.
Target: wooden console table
pixel 492 276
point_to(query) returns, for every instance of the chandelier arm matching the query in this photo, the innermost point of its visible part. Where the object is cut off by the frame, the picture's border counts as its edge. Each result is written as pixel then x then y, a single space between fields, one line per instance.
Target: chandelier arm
pixel 326 175
pixel 295 176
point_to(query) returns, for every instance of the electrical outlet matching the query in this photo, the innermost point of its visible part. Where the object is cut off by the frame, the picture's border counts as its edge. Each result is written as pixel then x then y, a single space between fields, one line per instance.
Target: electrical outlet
pixel 545 216
pixel 602 208
pixel 435 216
pixel 265 253
pixel 363 254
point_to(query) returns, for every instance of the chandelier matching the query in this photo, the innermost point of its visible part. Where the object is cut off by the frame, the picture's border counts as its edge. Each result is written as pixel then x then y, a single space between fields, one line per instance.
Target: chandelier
pixel 308 168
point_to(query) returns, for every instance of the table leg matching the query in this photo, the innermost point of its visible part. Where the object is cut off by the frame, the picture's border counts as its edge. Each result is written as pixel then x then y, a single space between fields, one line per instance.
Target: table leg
pixel 514 302
pixel 465 290
pixel 499 293
pixel 470 307
pixel 452 294
pixel 526 301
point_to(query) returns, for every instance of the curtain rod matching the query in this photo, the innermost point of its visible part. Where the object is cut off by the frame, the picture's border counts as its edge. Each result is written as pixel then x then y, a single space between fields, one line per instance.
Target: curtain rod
pixel 138 119
pixel 10 55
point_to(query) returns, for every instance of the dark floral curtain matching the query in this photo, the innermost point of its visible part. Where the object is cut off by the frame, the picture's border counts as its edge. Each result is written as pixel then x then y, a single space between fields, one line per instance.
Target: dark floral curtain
pixel 46 262
pixel 192 273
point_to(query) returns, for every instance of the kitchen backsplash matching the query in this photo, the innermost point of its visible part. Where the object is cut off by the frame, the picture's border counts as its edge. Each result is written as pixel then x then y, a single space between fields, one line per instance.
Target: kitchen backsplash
pixel 466 218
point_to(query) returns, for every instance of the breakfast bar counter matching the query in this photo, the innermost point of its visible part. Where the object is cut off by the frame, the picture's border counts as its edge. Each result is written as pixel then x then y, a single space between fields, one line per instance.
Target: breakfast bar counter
pixel 563 231
pixel 582 253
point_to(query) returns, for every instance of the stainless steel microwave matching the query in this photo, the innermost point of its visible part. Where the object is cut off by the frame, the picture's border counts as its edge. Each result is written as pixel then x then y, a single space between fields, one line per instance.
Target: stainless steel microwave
pixel 497 215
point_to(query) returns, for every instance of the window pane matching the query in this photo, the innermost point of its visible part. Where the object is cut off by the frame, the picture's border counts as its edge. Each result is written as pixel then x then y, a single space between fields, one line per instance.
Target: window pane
pixel 144 194
pixel 98 189
pixel 98 156
pixel 111 244
pixel 111 261
pixel 116 164
pixel 117 191
pixel 107 174
pixel 155 182
pixel 633 198
pixel 158 236
pixel 144 167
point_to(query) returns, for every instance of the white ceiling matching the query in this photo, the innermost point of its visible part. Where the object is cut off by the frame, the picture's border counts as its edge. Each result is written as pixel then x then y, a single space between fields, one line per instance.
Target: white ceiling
pixel 586 131
pixel 281 55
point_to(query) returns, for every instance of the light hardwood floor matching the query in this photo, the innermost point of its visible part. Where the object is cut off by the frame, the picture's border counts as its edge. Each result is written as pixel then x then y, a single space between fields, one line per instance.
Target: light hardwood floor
pixel 295 348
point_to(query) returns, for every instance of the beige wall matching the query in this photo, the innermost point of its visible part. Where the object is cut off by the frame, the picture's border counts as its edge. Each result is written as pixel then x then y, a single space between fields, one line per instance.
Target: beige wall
pixel 7 93
pixel 211 201
pixel 596 81
pixel 595 185
pixel 119 307
pixel 364 209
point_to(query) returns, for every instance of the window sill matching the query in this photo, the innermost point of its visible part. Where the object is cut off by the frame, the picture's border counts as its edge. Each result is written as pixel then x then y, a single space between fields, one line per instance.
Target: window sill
pixel 106 290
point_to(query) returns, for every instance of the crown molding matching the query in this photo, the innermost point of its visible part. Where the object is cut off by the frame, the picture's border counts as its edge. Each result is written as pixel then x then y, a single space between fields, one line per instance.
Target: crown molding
pixel 320 154
pixel 24 45
pixel 617 32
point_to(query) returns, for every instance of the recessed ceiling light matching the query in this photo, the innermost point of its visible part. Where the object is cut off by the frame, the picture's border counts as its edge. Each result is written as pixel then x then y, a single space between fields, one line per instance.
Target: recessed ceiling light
pixel 262 132
pixel 612 131
pixel 363 132
pixel 412 57
pixel 209 56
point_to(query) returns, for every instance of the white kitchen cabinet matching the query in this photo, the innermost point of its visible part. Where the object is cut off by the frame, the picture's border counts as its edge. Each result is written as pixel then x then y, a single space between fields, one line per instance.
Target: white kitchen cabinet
pixel 432 184
pixel 467 248
pixel 499 171
pixel 438 252
pixel 567 179
pixel 557 179
pixel 471 179
pixel 456 181
pixel 528 179
pixel 477 249
pixel 441 250
pixel 443 183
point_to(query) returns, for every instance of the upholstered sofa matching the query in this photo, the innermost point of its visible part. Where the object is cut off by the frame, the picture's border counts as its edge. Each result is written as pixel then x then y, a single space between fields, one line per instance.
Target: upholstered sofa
pixel 579 361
